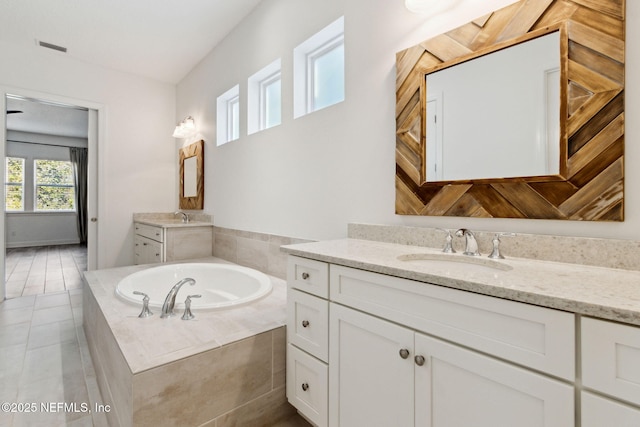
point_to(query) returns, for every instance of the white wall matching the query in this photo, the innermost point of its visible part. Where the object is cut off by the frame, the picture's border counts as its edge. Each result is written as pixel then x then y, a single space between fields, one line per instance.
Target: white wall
pixel 137 162
pixel 309 177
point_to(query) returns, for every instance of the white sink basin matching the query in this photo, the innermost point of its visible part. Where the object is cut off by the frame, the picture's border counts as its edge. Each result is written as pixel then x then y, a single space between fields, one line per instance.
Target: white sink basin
pixel 456 262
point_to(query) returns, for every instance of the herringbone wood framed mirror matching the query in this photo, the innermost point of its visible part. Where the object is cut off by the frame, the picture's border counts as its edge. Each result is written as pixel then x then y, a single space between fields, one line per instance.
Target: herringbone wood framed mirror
pixel 589 185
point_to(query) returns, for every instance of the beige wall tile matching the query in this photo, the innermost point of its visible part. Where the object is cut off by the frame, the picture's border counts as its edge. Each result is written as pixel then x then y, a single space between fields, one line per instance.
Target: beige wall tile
pixel 279 357
pixel 197 389
pixel 266 411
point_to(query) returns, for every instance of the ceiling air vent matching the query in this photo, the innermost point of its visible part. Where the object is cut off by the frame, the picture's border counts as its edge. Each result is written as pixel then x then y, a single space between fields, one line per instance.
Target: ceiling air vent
pixel 51 46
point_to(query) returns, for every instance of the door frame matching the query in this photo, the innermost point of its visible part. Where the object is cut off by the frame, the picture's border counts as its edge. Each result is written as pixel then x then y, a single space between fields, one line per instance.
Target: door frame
pixel 96 170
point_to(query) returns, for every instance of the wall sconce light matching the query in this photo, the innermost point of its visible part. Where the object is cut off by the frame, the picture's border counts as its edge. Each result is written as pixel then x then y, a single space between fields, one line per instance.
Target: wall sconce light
pixel 419 6
pixel 185 128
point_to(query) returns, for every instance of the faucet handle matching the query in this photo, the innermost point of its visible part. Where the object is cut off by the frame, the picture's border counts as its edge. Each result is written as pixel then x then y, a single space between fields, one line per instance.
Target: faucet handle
pixel 145 305
pixel 448 248
pixel 495 253
pixel 188 315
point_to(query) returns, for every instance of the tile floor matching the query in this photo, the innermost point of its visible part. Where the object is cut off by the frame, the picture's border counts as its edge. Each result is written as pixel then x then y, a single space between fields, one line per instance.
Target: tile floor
pixel 44 270
pixel 44 358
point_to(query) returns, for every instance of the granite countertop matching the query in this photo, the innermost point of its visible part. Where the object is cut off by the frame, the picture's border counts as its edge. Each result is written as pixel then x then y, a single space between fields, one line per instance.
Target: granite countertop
pixel 607 293
pixel 150 342
pixel 173 223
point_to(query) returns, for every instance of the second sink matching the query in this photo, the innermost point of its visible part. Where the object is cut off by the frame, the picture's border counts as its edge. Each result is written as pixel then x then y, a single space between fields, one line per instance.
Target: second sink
pixel 453 261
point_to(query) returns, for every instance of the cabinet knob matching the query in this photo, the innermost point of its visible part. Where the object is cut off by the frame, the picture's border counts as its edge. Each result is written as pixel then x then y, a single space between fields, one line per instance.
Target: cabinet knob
pixel 305 275
pixel 305 323
pixel 419 360
pixel 404 353
pixel 305 386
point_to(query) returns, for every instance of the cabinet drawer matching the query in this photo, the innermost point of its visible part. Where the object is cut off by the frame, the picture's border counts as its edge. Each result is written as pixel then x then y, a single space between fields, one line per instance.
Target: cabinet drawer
pixel 148 231
pixel 611 358
pixel 536 337
pixel 308 323
pixel 147 251
pixel 308 275
pixel 307 385
pixel 598 411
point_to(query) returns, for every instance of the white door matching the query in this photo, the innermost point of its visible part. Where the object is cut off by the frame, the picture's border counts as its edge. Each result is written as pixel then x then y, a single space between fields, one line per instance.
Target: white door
pixel 370 371
pixel 456 387
pixel 92 193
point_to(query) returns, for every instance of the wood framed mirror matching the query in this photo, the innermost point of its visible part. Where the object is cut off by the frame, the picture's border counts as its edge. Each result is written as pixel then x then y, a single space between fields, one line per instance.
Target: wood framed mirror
pixel 192 176
pixel 586 184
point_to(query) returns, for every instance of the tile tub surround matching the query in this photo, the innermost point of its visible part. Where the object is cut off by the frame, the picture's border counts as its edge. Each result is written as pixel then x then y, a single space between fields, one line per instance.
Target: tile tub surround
pixel 612 253
pixel 606 293
pixel 255 250
pixel 220 368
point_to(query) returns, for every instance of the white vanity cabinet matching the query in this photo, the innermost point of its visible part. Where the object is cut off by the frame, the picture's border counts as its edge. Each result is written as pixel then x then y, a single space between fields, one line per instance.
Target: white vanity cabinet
pixel 407 353
pixel 610 366
pixel 148 244
pixel 386 368
pixel 154 244
pixel 308 337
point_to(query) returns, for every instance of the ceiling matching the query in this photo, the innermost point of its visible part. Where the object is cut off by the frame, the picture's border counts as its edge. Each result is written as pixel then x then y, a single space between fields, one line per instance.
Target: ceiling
pixel 47 118
pixel 158 39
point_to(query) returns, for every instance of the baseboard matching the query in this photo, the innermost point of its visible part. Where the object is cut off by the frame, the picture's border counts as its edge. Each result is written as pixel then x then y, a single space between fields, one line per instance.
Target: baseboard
pixel 14 245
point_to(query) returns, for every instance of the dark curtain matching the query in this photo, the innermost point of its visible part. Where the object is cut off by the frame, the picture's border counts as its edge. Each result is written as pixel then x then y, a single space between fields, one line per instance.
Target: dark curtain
pixel 79 162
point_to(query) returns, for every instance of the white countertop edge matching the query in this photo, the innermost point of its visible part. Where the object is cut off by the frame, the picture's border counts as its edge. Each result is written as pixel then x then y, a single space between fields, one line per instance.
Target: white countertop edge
pixel 606 293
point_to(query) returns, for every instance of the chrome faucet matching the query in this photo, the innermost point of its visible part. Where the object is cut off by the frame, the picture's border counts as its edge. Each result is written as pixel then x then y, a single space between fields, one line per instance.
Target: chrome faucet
pixel 495 253
pixel 170 300
pixel 448 247
pixel 471 243
pixel 185 217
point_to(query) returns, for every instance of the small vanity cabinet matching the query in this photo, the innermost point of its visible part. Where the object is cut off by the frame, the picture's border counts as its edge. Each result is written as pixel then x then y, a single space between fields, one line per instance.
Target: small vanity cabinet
pixel 408 353
pixel 610 366
pixel 308 337
pixel 171 242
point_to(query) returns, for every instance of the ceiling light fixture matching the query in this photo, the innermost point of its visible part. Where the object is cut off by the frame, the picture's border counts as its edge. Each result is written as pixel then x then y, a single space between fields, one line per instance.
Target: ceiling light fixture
pixel 419 6
pixel 185 128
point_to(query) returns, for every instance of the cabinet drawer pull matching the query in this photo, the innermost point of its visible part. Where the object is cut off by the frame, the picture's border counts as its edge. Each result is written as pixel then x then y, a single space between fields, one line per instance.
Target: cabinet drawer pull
pixel 305 386
pixel 305 275
pixel 305 323
pixel 404 353
pixel 144 244
pixel 419 360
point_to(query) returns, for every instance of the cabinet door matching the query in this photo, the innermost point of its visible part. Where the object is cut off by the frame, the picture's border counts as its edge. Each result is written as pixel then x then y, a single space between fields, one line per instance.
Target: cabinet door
pixel 456 387
pixel 370 382
pixel 600 412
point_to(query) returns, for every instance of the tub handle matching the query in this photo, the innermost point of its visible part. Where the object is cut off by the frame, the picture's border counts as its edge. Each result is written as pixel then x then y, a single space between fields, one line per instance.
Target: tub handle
pixel 188 315
pixel 145 305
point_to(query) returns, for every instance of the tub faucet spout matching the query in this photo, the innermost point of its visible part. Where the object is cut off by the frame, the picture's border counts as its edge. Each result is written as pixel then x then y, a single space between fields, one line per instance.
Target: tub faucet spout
pixel 170 300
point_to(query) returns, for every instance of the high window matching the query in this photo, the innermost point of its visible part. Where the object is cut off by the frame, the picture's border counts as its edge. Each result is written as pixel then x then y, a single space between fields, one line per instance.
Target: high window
pixel 14 184
pixel 228 115
pixel 265 98
pixel 54 189
pixel 319 74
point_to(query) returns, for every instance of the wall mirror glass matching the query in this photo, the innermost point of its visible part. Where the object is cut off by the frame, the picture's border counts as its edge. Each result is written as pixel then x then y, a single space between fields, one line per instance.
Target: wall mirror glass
pixel 192 176
pixel 509 100
pixel 452 158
